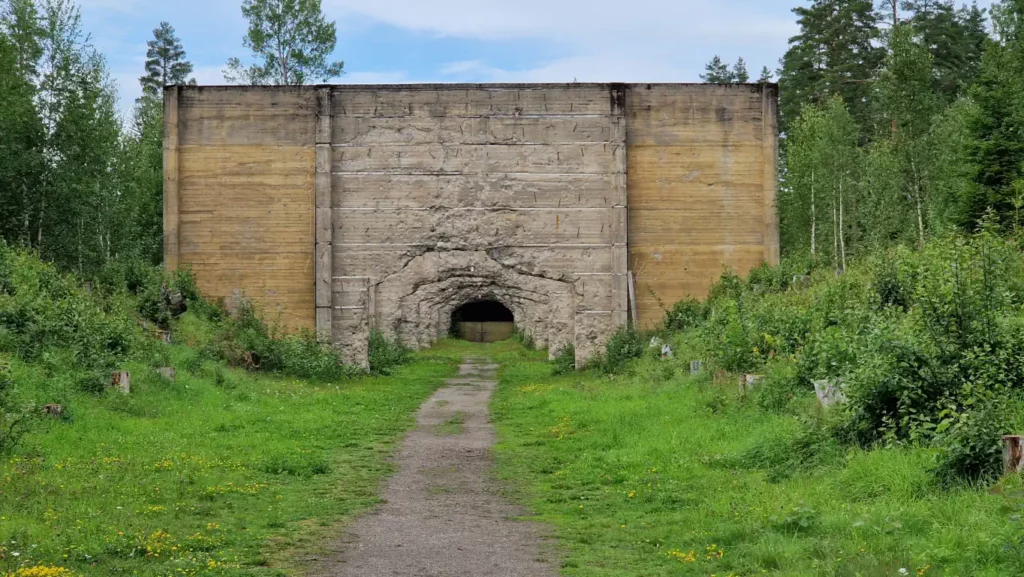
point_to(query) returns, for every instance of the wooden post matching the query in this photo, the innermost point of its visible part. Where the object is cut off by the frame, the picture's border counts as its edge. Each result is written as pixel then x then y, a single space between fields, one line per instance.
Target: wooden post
pixel 121 382
pixel 171 199
pixel 1012 455
pixel 632 298
pixel 696 366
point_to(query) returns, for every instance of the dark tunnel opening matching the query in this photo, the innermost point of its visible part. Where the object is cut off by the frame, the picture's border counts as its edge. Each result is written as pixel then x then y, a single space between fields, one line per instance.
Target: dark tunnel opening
pixel 483 322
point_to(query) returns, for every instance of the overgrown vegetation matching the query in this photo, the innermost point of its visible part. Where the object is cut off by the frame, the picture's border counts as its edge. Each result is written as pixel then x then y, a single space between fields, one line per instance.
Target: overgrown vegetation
pixel 655 472
pixel 224 468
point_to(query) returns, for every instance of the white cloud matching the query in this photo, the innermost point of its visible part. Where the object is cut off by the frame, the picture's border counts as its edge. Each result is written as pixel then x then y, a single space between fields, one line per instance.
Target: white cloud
pixel 603 40
pixel 589 22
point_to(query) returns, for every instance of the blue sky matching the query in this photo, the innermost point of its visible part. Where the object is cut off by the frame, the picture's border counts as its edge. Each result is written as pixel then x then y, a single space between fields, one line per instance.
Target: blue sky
pixel 383 41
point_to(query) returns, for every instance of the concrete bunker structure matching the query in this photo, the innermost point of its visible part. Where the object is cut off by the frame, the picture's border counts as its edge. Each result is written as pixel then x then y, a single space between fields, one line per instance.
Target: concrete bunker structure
pixel 575 206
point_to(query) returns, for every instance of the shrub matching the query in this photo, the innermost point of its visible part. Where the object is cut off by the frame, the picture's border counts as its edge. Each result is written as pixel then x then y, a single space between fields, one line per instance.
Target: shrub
pixel 13 420
pixel 305 357
pixel 386 354
pixel 685 314
pixel 565 362
pixel 627 343
pixel 971 449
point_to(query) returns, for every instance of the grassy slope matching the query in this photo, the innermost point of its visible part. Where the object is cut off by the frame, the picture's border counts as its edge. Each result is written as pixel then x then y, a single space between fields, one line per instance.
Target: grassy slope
pixel 209 475
pixel 639 475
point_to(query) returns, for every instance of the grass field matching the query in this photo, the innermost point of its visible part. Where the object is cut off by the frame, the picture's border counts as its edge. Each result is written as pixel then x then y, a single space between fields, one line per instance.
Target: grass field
pixel 220 472
pixel 659 473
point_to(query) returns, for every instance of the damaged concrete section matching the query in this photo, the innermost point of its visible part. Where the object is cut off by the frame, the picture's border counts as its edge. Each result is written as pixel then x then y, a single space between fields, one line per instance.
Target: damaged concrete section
pixel 446 197
pixel 347 209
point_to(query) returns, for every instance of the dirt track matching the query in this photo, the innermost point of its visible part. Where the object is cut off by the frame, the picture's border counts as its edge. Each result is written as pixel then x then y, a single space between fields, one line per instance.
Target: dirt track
pixel 442 515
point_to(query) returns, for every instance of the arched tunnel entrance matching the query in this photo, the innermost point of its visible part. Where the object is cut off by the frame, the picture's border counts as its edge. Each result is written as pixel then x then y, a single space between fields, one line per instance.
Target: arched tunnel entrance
pixel 485 321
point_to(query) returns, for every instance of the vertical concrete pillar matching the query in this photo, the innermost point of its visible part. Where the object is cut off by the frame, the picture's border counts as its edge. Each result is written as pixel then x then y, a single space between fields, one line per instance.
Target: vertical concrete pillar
pixel 323 252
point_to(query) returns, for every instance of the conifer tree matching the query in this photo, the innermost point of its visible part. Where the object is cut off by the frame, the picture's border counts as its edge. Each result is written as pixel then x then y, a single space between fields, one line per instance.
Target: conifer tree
pixel 717 72
pixel 997 149
pixel 954 37
pixel 739 72
pixel 766 75
pixel 165 61
pixel 836 52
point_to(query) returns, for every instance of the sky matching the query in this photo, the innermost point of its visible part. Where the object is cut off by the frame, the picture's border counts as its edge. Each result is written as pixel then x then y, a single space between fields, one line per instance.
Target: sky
pixel 388 41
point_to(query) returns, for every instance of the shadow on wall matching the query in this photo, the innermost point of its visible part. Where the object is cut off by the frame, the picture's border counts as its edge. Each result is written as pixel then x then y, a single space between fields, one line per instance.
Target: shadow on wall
pixel 483 322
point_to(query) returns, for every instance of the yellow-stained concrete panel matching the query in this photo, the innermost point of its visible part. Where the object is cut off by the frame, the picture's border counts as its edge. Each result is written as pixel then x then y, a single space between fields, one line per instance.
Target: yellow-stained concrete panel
pixel 700 196
pixel 245 197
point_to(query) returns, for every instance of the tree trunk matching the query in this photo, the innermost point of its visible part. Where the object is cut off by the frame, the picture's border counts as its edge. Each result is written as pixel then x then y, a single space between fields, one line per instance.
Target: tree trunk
pixel 835 236
pixel 842 234
pixel 814 221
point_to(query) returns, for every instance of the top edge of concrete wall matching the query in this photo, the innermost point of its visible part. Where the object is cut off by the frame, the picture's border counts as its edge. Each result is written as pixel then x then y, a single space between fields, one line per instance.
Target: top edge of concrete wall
pixel 477 86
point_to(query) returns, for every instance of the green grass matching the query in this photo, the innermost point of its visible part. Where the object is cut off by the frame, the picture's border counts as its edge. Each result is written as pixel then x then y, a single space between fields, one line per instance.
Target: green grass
pixel 218 473
pixel 658 473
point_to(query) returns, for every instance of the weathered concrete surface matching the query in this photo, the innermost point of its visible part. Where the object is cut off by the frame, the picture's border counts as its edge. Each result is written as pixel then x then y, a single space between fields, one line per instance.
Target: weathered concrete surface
pixel 348 208
pixel 442 515
pixel 442 179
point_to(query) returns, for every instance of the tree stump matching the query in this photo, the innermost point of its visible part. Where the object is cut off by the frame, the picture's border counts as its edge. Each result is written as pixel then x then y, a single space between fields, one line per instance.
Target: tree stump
pixel 167 372
pixel 251 361
pixel 829 392
pixel 121 382
pixel 696 367
pixel 801 281
pixel 165 337
pixel 1012 454
pixel 53 410
pixel 749 382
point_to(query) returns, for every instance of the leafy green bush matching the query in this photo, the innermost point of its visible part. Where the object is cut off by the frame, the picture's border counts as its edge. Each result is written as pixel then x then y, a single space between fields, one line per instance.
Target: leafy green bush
pixel 626 344
pixel 14 420
pixel 685 314
pixel 386 354
pixel 565 362
pixel 971 448
pixel 47 315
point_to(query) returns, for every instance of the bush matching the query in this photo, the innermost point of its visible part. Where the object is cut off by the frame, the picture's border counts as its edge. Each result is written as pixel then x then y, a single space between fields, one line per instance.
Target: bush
pixel 565 362
pixel 627 343
pixel 386 354
pixel 685 314
pixel 971 449
pixel 48 315
pixel 13 420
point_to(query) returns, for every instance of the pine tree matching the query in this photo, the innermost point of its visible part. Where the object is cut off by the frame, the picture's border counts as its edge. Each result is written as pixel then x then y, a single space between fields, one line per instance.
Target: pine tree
pixel 21 153
pixel 717 72
pixel 954 37
pixel 766 76
pixel 835 53
pixel 739 72
pixel 996 152
pixel 165 61
pixel 292 41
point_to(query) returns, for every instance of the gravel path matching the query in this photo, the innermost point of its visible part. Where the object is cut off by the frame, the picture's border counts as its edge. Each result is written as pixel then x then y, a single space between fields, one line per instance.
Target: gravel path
pixel 442 515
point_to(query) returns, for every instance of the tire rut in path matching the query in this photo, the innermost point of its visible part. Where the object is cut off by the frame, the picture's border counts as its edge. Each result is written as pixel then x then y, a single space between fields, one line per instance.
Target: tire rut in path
pixel 442 515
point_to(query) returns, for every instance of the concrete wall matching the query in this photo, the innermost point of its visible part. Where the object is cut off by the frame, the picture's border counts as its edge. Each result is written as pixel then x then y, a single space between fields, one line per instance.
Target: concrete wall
pixel 702 174
pixel 238 195
pixel 348 207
